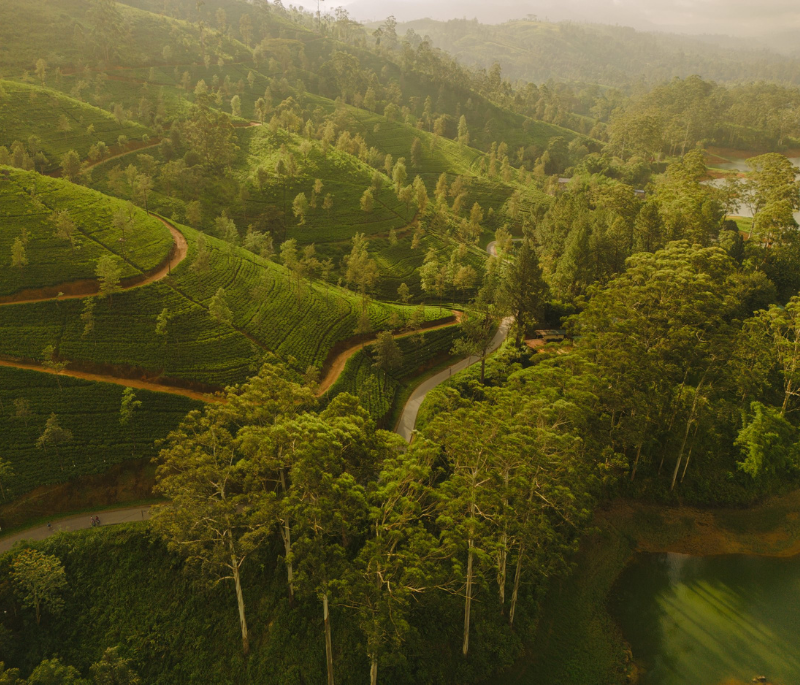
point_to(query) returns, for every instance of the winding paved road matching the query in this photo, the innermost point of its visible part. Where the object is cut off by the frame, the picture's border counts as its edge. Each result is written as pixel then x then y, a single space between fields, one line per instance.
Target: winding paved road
pixel 408 419
pixel 73 523
pixel 491 248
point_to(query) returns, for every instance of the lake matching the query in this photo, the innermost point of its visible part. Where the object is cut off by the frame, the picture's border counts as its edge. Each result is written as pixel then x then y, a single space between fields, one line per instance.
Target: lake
pixel 711 620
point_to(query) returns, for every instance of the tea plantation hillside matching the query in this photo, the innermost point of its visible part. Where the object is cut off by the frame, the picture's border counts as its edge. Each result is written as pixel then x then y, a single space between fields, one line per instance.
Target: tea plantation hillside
pixel 70 33
pixel 325 179
pixel 53 232
pixel 90 412
pixel 311 187
pixel 225 307
pixel 48 124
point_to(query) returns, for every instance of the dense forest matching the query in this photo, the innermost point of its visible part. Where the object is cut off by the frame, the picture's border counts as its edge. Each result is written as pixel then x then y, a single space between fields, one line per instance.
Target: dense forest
pixel 239 236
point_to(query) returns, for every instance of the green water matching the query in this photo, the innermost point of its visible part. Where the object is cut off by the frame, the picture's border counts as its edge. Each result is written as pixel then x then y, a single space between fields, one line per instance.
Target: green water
pixel 711 620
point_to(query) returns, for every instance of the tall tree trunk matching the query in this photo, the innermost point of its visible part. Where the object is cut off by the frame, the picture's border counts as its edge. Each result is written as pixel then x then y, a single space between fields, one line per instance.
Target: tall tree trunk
pixel 240 602
pixel 671 422
pixel 515 592
pixel 786 394
pixel 689 456
pixel 501 570
pixel 328 645
pixel 483 368
pixel 468 602
pixel 373 670
pixel 286 535
pixel 685 438
pixel 503 560
pixel 636 462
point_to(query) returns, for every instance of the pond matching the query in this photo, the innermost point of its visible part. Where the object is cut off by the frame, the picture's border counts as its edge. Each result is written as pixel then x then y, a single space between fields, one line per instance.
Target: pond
pixel 711 620
pixel 742 166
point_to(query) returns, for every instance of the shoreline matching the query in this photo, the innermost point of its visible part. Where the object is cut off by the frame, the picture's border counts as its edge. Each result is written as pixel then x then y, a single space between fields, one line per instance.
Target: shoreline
pixel 577 640
pixel 770 528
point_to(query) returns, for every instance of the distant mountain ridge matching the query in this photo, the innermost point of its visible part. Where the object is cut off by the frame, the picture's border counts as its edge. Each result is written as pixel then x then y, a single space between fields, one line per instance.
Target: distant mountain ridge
pixel 538 51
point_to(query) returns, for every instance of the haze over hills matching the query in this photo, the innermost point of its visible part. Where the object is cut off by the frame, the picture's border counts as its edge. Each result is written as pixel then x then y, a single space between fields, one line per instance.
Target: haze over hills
pixel 763 21
pixel 538 51
pixel 385 358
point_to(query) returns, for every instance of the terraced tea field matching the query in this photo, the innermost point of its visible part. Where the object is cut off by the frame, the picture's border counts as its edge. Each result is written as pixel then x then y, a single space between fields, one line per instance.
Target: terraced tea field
pixel 28 206
pixel 59 122
pixel 90 412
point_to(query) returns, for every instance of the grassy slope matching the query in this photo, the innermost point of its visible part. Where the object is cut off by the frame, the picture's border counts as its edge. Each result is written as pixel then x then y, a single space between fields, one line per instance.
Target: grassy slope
pixel 268 309
pixel 52 261
pixel 91 412
pixel 28 110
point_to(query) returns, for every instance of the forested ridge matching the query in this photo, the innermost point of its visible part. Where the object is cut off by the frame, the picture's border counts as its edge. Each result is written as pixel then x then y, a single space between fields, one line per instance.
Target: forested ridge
pixel 336 191
pixel 534 49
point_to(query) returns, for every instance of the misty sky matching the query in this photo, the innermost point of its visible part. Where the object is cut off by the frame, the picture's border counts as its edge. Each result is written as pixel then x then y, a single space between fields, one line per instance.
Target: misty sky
pixel 732 17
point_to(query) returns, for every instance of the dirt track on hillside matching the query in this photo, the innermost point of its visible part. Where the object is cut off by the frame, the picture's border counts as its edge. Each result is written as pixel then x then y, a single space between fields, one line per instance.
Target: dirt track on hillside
pixel 336 366
pixel 87 287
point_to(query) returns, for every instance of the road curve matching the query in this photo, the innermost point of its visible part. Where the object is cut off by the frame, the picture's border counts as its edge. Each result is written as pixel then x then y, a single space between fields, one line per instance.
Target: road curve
pixel 491 248
pixel 338 364
pixel 408 419
pixel 73 523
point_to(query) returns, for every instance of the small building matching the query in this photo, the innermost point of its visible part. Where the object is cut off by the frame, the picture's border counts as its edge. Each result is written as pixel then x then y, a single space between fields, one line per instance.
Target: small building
pixel 543 337
pixel 550 335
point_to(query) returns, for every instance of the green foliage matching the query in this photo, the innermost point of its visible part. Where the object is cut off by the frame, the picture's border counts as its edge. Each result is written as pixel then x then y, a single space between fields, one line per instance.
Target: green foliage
pixel 40 581
pixel 33 200
pixel 53 672
pixel 767 441
pixel 114 669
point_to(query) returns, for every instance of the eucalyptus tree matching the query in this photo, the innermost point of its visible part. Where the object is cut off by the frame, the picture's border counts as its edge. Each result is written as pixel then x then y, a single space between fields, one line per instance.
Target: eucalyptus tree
pixel 328 504
pixel 400 557
pixel 660 334
pixel 210 517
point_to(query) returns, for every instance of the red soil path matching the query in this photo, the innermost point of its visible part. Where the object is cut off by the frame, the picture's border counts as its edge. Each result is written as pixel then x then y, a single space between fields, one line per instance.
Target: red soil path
pixel 87 286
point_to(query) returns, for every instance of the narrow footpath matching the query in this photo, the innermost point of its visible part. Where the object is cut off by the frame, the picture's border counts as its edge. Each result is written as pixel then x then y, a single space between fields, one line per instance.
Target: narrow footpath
pixel 87 287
